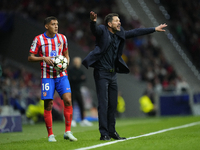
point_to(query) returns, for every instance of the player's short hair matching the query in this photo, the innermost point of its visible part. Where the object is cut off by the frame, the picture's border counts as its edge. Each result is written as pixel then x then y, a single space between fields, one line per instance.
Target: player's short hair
pixel 109 18
pixel 48 19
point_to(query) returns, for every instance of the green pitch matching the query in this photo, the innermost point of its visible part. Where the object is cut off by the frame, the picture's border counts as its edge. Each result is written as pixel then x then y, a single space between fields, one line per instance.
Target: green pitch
pixel 185 138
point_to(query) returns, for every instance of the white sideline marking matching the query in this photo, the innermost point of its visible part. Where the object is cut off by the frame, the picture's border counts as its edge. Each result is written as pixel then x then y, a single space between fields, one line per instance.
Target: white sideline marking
pixel 148 134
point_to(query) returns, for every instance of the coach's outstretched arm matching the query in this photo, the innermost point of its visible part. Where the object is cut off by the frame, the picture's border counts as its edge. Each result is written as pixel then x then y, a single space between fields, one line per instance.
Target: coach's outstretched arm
pixel 144 31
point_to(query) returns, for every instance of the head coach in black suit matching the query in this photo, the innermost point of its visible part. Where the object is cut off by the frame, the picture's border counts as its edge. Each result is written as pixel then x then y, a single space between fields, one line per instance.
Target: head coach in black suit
pixel 107 61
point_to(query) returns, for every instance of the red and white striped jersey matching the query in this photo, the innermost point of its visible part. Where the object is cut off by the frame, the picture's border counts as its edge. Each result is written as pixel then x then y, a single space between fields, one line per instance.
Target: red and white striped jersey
pixel 45 46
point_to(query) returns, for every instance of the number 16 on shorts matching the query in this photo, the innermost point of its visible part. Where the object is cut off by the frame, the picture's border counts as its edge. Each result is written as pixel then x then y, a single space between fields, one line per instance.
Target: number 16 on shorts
pixel 47 88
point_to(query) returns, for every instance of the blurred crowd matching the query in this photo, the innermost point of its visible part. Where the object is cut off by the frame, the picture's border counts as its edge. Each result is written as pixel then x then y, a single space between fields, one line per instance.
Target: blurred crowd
pixel 185 22
pixel 73 15
pixel 142 54
pixel 19 86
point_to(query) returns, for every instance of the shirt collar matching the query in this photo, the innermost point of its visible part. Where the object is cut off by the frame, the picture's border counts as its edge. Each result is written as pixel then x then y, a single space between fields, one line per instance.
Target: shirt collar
pixel 48 37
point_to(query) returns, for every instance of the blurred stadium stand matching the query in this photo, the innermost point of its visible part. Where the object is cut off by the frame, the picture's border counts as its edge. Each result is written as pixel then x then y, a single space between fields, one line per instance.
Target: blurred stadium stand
pixel 22 20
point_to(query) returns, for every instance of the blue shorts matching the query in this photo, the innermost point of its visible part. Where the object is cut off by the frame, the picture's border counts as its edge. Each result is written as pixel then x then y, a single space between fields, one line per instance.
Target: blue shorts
pixel 49 85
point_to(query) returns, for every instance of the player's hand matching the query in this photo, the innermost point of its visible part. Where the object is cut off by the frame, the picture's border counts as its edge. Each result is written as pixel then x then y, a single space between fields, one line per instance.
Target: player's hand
pixel 93 16
pixel 64 69
pixel 49 60
pixel 160 28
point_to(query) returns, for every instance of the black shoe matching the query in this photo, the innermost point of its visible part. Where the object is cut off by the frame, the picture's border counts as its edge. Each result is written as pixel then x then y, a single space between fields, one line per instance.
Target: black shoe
pixel 116 136
pixel 105 138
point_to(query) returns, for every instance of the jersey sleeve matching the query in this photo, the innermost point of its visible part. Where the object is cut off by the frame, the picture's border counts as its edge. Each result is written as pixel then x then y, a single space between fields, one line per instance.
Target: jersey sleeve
pixel 65 46
pixel 34 46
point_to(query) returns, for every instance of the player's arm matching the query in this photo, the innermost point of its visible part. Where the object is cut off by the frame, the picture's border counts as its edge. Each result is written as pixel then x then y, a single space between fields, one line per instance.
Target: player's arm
pixel 33 58
pixel 66 54
pixel 34 50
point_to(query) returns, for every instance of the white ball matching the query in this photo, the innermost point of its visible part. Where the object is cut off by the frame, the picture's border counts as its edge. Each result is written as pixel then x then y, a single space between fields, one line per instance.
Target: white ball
pixel 60 62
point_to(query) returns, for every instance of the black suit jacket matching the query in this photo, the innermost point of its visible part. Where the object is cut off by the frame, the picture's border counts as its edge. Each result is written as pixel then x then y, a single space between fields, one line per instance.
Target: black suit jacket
pixel 103 39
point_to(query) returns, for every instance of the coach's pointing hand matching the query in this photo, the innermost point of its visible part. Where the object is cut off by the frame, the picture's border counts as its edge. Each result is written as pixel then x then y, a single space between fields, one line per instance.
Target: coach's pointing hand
pixel 93 16
pixel 160 28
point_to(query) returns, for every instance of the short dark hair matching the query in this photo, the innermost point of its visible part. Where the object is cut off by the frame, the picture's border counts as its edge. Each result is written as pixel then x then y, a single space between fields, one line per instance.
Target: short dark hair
pixel 48 19
pixel 109 18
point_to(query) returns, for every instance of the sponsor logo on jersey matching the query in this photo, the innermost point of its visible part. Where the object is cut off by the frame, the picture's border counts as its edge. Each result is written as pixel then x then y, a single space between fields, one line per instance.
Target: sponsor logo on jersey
pixel 53 53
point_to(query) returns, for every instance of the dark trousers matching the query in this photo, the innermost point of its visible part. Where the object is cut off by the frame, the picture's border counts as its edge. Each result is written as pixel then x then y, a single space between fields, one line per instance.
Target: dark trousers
pixel 107 91
pixel 77 96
